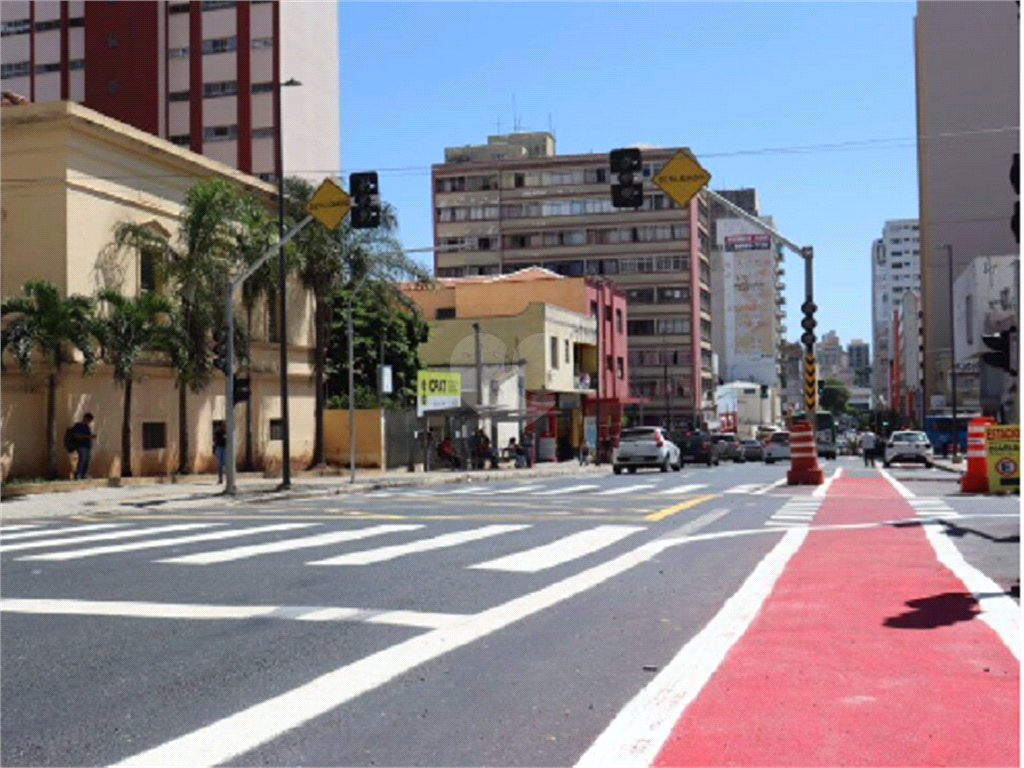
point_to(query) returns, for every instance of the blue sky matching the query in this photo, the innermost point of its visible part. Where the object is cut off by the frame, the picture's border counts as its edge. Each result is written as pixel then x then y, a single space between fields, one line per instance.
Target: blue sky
pixel 726 79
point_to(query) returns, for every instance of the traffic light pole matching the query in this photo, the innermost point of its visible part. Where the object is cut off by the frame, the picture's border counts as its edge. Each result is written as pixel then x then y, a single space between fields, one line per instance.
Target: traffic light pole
pixel 229 368
pixel 804 252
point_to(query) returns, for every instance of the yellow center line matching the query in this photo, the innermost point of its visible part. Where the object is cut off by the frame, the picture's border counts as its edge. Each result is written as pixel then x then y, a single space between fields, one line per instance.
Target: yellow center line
pixel 661 514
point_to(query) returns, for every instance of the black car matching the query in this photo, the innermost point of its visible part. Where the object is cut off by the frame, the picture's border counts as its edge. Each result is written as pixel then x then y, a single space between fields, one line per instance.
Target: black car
pixel 697 448
pixel 728 447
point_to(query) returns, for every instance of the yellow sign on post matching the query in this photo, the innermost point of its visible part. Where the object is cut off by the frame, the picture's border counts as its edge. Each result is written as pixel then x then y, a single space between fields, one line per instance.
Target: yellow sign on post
pixel 1002 449
pixel 682 177
pixel 329 204
pixel 437 390
pixel 810 383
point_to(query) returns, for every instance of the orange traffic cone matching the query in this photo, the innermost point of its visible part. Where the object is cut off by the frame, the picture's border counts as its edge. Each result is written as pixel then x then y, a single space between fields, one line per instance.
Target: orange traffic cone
pixel 804 469
pixel 975 479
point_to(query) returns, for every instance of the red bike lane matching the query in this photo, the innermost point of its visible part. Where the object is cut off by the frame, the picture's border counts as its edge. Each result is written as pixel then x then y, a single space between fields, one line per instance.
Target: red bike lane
pixel 867 652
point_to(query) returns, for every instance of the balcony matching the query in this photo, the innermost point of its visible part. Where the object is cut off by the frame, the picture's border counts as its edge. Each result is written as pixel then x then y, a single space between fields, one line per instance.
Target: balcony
pixel 780 285
pixel 584 381
pixel 780 300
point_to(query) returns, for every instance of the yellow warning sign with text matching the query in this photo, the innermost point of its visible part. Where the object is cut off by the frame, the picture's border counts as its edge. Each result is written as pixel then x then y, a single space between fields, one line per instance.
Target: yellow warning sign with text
pixel 1002 448
pixel 437 391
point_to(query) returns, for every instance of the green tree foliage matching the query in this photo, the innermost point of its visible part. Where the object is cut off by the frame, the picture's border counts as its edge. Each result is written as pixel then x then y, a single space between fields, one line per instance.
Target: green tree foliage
pixel 43 323
pixel 835 396
pixel 198 265
pixel 128 328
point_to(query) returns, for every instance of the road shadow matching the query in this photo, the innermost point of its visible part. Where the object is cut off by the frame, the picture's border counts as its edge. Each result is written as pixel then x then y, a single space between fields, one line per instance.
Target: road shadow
pixel 958 531
pixel 936 611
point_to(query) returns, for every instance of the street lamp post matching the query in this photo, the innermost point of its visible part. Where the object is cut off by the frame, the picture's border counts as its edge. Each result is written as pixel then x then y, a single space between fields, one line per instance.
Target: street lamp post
pixel 286 470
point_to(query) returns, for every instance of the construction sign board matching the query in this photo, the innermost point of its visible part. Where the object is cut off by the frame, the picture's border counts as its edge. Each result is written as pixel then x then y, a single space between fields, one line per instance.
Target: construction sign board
pixel 1002 447
pixel 437 391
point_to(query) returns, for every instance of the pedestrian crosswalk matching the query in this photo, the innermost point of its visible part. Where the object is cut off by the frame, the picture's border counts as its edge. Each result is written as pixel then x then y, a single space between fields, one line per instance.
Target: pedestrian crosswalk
pixel 932 507
pixel 536 490
pixel 798 512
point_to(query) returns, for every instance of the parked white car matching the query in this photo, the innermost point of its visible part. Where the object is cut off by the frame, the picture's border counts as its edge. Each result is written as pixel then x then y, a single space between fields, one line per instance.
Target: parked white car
pixel 776 447
pixel 645 447
pixel 908 445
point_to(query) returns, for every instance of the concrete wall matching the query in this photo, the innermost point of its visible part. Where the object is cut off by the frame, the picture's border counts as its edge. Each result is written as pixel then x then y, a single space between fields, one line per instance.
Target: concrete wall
pixel 369 437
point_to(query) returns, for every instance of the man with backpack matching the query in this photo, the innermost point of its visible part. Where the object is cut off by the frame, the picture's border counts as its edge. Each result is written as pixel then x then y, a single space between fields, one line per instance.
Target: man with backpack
pixel 78 439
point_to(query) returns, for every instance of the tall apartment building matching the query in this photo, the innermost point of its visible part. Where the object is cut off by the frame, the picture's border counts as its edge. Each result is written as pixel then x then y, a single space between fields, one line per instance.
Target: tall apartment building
pixel 747 295
pixel 895 269
pixel 968 128
pixel 829 356
pixel 907 367
pixel 205 75
pixel 513 203
pixel 858 354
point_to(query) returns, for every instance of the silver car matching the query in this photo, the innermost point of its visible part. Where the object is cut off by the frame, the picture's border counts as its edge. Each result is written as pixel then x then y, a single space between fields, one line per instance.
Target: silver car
pixel 645 447
pixel 908 445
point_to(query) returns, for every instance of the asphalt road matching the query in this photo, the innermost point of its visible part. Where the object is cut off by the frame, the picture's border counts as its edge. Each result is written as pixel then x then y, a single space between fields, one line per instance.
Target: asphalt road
pixel 478 624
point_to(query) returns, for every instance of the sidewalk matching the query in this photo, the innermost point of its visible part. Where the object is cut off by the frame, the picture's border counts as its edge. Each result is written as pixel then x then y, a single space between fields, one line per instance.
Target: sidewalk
pixel 67 498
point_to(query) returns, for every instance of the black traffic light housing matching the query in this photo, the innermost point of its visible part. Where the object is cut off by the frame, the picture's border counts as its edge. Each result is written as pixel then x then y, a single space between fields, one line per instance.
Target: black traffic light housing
pixel 808 323
pixel 999 343
pixel 365 192
pixel 220 349
pixel 627 163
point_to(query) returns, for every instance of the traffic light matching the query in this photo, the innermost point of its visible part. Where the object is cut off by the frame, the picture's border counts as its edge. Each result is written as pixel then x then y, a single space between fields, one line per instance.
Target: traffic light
pixel 365 200
pixel 220 349
pixel 628 193
pixel 821 388
pixel 808 324
pixel 999 343
pixel 1015 183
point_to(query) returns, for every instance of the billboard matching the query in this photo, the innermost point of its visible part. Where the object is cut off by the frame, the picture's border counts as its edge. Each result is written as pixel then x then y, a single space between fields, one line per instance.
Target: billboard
pixel 437 390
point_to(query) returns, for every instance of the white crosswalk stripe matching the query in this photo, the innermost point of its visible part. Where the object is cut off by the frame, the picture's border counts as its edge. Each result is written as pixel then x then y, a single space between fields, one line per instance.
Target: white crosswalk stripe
pixel 9 528
pixel 563 550
pixel 4 536
pixel 520 489
pixel 925 507
pixel 681 489
pixel 135 533
pixel 110 549
pixel 382 554
pixel 463 491
pixel 797 512
pixel 625 489
pixel 568 489
pixel 320 540
pixel 749 488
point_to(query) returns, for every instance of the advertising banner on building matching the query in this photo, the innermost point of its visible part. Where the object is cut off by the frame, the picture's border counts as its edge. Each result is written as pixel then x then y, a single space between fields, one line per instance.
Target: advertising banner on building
pixel 758 242
pixel 1002 446
pixel 437 390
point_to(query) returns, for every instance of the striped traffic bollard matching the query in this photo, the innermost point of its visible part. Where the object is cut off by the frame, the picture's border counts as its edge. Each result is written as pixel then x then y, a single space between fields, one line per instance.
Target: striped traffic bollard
pixel 804 469
pixel 975 479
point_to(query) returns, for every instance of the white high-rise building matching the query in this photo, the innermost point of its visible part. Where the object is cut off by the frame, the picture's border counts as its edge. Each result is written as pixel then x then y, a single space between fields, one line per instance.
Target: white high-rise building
pixel 895 269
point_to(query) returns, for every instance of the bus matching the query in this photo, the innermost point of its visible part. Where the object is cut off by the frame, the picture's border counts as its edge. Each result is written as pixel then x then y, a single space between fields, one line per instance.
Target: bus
pixel 939 429
pixel 825 434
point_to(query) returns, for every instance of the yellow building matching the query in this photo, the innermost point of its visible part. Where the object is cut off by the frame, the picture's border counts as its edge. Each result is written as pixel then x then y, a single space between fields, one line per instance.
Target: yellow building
pixel 69 175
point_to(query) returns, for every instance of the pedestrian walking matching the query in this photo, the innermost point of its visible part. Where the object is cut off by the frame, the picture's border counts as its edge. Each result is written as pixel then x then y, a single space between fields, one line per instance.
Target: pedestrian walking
pixel 83 437
pixel 220 447
pixel 584 452
pixel 867 446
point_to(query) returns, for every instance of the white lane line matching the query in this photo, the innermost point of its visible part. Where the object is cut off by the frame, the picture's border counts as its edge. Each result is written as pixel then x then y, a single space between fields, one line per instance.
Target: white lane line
pixel 681 489
pixel 749 488
pixel 901 489
pixel 638 732
pixel 286 545
pixel 787 523
pixel 822 490
pixel 460 491
pixel 625 489
pixel 567 489
pixel 104 536
pixel 793 516
pixel 519 489
pixel 243 731
pixel 5 537
pixel 111 549
pixel 998 609
pixel 770 486
pixel 379 495
pixel 381 554
pixel 563 550
pixel 141 610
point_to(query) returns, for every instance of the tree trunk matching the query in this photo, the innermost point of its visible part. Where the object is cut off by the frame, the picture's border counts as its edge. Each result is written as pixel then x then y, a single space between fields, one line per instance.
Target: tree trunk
pixel 51 424
pixel 319 355
pixel 126 431
pixel 247 463
pixel 183 465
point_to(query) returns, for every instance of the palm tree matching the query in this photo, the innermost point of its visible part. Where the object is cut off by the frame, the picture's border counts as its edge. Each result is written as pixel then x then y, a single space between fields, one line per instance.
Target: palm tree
pixel 44 322
pixel 200 263
pixel 328 260
pixel 131 328
pixel 256 233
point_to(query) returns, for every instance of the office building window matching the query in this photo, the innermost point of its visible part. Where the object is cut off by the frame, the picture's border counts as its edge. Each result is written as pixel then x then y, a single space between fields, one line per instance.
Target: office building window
pixel 220 88
pixel 554 351
pixel 179 96
pixel 609 363
pixel 44 68
pixel 276 429
pixel 263 133
pixel 262 87
pixel 16 69
pixel 568 354
pixel 16 27
pixel 220 45
pixel 618 320
pixel 620 370
pixel 154 435
pixel 178 53
pixel 445 313
pixel 262 42
pixel 220 133
pixel 181 140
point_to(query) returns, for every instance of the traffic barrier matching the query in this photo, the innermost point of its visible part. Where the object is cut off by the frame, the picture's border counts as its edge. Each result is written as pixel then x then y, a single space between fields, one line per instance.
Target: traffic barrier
pixel 803 452
pixel 975 479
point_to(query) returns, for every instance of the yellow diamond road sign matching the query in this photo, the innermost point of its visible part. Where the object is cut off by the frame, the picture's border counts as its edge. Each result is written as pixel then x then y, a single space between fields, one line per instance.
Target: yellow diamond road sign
pixel 329 204
pixel 682 177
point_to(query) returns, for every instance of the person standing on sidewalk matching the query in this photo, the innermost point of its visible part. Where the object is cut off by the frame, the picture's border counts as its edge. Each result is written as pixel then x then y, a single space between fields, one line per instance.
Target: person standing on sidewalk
pixel 220 447
pixel 83 434
pixel 867 447
pixel 584 452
